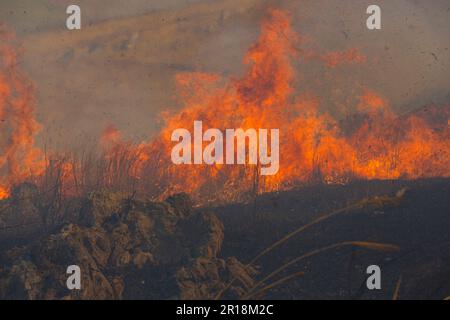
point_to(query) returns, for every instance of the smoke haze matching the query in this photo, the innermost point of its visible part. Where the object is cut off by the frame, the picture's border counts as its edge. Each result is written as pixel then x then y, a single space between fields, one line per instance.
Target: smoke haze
pixel 119 69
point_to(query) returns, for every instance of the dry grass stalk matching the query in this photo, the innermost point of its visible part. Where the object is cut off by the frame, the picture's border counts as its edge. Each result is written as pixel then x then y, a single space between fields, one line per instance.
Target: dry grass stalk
pixel 397 289
pixel 377 201
pixel 274 284
pixel 363 244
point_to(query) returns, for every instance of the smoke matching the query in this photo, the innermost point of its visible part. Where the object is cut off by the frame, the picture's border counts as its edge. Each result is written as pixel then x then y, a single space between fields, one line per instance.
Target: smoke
pixel 287 80
pixel 120 68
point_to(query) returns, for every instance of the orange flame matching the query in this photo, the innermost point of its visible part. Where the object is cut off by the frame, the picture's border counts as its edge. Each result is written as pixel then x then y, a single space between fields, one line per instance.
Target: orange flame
pixel 314 146
pixel 373 143
pixel 19 158
pixel 4 193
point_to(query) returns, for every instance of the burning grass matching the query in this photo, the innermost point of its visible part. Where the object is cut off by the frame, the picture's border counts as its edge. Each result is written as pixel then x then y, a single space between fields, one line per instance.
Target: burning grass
pixel 372 143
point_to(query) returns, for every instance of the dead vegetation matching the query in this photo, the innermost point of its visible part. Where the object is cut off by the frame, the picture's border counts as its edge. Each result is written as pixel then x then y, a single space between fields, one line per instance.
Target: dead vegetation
pixel 261 286
pixel 126 248
pixel 132 248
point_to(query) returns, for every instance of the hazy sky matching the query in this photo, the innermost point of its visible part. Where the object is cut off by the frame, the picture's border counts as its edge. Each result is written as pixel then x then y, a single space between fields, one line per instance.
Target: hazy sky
pixel 119 68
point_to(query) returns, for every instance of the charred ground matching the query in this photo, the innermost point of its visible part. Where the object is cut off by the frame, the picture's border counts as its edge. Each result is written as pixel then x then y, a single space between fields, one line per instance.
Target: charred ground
pixel 419 224
pixel 136 248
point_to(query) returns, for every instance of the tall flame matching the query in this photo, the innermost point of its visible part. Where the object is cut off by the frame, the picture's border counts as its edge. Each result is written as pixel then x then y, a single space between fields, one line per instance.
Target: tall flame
pixel 372 143
pixel 377 144
pixel 19 158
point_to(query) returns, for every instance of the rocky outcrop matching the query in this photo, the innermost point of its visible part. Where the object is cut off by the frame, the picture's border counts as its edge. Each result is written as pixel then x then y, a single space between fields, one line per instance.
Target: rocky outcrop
pixel 126 249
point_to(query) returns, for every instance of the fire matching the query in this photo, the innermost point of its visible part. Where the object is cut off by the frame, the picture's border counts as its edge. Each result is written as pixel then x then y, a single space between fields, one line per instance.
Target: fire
pixel 111 135
pixel 4 193
pixel 372 143
pixel 19 158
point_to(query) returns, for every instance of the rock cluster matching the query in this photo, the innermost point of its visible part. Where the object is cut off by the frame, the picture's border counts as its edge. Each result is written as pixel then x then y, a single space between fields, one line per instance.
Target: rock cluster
pixel 126 249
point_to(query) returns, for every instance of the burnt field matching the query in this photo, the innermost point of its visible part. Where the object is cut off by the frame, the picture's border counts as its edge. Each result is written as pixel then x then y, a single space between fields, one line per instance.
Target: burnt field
pixel 419 224
pixel 132 248
pixel 225 150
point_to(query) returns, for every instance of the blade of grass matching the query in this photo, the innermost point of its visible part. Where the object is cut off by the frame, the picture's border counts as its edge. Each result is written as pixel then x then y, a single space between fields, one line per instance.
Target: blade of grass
pixel 397 289
pixel 369 245
pixel 360 204
pixel 274 284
